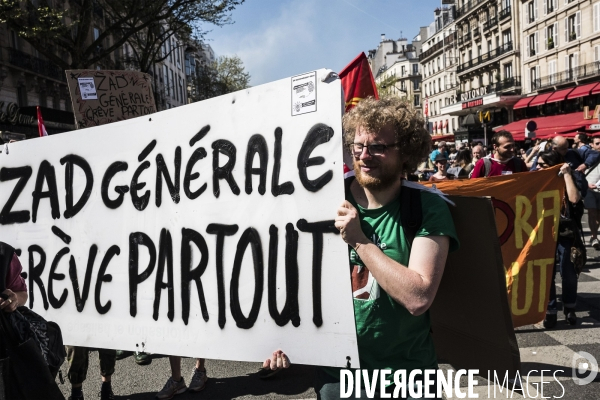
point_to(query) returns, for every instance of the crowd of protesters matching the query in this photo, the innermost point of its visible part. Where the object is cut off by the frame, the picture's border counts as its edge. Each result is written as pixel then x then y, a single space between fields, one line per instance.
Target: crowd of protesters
pixel 579 159
pixel 393 290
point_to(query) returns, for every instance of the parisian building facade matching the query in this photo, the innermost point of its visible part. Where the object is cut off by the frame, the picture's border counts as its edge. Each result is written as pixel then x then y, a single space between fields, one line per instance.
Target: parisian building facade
pixel 438 63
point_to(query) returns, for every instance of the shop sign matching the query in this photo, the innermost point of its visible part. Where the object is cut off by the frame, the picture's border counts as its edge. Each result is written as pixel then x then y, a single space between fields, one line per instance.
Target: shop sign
pixel 472 103
pixel 11 114
pixel 471 94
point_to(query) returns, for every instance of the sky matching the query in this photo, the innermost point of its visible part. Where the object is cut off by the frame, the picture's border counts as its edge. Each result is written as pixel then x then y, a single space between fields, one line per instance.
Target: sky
pixel 277 39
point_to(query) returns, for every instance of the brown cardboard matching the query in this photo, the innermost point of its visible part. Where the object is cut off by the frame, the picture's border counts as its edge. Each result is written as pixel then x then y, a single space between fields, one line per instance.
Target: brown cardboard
pixel 471 319
pixel 120 95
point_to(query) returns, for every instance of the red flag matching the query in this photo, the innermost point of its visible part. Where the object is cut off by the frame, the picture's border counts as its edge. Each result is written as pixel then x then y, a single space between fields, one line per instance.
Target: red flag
pixel 41 126
pixel 357 81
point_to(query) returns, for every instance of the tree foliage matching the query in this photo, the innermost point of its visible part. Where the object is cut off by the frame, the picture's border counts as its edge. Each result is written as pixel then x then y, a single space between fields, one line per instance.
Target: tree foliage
pixel 59 27
pixel 224 75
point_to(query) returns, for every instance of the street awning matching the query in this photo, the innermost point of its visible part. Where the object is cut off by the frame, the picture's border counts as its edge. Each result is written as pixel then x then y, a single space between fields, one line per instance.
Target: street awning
pixel 524 102
pixel 540 99
pixel 437 138
pixel 549 126
pixel 580 91
pixel 559 95
pixel 595 90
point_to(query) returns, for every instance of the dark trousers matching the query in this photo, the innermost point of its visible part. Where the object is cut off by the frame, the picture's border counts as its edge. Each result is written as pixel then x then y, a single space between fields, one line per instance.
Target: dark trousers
pixel 79 357
pixel 567 272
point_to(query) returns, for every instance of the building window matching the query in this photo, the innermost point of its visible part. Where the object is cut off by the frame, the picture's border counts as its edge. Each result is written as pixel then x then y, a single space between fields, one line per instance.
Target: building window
pixel 172 83
pixel 166 79
pixel 571 64
pixel 415 68
pixel 417 100
pixel 506 37
pixel 96 33
pixel 573 27
pixel 533 78
pixel 508 71
pixel 15 40
pixel 531 11
pixel 22 96
pixel 596 17
pixel 551 36
pixel 552 78
pixel 415 84
pixel 181 90
pixel 551 6
pixel 532 44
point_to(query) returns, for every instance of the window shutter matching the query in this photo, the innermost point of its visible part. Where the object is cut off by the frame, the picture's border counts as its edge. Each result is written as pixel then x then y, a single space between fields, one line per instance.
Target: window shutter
pixel 545 7
pixel 567 63
pixel 537 74
pixel 535 9
pixel 546 38
pixel 566 30
pixel 555 34
pixel 527 14
pixel 596 49
pixel 575 60
pixel 537 47
pixel 527 52
pixel 578 24
pixel 595 13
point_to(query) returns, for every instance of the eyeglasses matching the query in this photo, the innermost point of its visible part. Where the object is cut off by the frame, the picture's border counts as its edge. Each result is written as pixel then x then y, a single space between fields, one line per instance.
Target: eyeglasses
pixel 373 149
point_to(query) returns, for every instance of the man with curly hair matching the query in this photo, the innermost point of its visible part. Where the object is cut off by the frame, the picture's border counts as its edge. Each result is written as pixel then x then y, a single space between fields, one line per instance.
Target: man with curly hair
pixel 394 280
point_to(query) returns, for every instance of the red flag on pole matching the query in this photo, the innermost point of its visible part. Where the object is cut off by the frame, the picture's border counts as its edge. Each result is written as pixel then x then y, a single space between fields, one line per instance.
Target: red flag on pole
pixel 41 126
pixel 357 81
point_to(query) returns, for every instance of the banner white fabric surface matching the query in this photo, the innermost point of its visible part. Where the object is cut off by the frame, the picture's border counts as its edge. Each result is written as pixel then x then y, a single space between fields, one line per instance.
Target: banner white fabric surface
pixel 203 231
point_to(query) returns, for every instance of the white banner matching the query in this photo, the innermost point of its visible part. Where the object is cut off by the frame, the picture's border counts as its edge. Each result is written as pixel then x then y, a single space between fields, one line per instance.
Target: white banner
pixel 202 231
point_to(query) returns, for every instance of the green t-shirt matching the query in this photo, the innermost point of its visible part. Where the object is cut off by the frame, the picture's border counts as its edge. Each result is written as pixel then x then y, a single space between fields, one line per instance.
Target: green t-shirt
pixel 388 335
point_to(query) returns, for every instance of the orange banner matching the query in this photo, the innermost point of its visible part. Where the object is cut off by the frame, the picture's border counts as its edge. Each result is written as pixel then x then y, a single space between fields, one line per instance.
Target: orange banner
pixel 527 208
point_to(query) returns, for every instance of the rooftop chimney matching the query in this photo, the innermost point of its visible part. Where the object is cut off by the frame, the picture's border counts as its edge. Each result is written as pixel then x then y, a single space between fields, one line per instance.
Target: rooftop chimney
pixel 383 37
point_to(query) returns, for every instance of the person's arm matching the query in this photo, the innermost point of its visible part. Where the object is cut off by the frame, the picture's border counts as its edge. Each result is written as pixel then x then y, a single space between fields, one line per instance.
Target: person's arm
pixel 414 286
pixel 530 157
pixel 572 192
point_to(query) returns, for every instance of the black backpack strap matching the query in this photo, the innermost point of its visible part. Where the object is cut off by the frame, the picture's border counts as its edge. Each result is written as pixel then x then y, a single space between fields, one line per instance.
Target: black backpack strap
pixel 411 213
pixel 519 165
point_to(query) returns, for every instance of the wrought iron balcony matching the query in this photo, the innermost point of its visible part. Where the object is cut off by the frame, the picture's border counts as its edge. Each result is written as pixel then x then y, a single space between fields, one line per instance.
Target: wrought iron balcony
pixel 508 83
pixel 34 64
pixel 484 58
pixel 490 23
pixel 504 13
pixel 568 76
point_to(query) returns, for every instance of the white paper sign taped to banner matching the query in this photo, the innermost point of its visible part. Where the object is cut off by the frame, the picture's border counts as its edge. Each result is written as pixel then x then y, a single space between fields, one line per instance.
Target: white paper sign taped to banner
pixel 194 231
pixel 87 88
pixel 304 93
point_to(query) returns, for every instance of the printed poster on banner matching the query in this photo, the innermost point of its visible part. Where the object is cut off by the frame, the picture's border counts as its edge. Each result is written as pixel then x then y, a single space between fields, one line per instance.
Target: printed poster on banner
pixel 204 228
pixel 304 93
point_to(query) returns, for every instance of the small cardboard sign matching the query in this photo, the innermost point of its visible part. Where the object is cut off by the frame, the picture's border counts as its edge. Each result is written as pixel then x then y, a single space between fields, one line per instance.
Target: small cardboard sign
pixel 103 96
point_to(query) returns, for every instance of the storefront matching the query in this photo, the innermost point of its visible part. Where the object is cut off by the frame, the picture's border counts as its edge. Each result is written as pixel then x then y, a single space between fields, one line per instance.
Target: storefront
pixel 19 123
pixel 562 112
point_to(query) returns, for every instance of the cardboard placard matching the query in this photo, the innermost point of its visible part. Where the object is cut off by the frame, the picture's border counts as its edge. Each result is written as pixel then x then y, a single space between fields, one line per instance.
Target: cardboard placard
pixel 194 232
pixel 470 316
pixel 103 96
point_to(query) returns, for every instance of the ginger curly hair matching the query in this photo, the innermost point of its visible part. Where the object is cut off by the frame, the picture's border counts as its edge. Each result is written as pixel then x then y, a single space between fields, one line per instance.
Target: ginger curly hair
pixel 414 142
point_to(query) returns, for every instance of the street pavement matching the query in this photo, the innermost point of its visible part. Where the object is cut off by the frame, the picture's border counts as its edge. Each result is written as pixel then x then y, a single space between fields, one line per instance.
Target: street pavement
pixel 540 349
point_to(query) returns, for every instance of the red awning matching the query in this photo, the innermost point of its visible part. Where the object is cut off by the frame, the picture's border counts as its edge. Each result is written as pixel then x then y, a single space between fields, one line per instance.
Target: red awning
pixel 438 138
pixel 549 126
pixel 580 91
pixel 596 90
pixel 559 95
pixel 524 102
pixel 540 99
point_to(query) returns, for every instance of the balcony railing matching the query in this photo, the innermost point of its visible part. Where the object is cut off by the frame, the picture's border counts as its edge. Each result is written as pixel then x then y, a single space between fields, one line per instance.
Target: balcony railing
pixel 505 12
pixel 568 76
pixel 469 5
pixel 34 64
pixel 484 58
pixel 508 83
pixel 448 40
pixel 491 23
